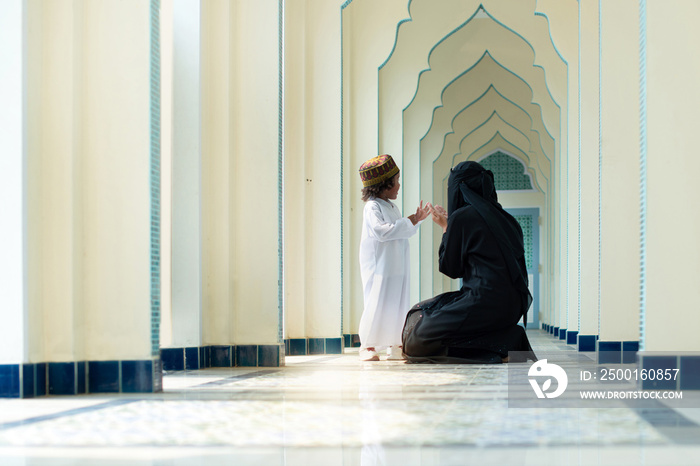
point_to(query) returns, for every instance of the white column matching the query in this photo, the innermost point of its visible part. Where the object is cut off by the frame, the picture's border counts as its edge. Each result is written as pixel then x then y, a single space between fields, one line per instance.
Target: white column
pixel 115 182
pixel 589 173
pixel 312 170
pixel 217 133
pixel 673 225
pixel 186 176
pixel 240 90
pixel 619 313
pixel 13 251
pixel 253 201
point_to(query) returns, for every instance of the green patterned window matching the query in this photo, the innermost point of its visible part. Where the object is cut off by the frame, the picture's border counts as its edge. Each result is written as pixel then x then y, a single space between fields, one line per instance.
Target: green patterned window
pixel 525 222
pixel 508 172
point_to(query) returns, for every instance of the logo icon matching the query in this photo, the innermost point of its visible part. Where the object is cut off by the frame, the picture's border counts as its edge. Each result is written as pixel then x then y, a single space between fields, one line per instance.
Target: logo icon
pixel 544 369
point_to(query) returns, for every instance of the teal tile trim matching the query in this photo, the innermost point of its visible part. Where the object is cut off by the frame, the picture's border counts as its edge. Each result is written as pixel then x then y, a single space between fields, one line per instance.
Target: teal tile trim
pixel 155 174
pixel 600 154
pixel 280 171
pixel 578 309
pixel 642 170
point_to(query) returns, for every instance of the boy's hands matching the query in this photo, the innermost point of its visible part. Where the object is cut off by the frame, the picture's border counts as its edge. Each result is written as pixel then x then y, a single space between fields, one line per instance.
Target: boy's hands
pixel 438 212
pixel 440 217
pixel 421 213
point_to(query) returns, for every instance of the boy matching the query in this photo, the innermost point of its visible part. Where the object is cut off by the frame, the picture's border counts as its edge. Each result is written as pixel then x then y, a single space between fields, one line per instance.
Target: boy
pixel 384 259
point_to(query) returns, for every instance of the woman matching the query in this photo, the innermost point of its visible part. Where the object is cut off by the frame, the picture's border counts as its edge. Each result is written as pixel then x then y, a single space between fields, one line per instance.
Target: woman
pixel 483 245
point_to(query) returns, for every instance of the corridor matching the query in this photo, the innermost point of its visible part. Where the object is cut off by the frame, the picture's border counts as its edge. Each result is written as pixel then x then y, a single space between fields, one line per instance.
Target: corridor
pixel 335 410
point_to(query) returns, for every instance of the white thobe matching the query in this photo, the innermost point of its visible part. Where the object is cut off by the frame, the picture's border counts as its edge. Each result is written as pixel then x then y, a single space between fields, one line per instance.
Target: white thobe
pixel 385 270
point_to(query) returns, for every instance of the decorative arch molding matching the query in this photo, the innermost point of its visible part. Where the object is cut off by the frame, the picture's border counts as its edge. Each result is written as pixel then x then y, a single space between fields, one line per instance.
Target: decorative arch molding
pixel 532 26
pixel 396 36
pixel 491 99
pixel 508 80
pixel 444 71
pixel 495 124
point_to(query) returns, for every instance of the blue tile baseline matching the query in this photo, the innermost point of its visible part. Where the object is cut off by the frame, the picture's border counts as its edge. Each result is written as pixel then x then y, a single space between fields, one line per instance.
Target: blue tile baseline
pixel 562 334
pixel 586 343
pixel 629 351
pixel 192 358
pixel 269 355
pixel 203 352
pixel 247 355
pixel 317 346
pixel 334 346
pixel 314 346
pixel 71 378
pixel 221 356
pixel 351 340
pixel 41 379
pixel 571 337
pixel 690 372
pixel 103 376
pixel 686 368
pixel 297 347
pixel 555 331
pixel 173 359
pixel 650 364
pixel 63 378
pixel 79 377
pixel 137 376
pixel 28 380
pixel 609 352
pixel 9 380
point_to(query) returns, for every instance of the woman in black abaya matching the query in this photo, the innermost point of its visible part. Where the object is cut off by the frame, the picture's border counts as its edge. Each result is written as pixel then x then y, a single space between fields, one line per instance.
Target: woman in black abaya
pixel 483 245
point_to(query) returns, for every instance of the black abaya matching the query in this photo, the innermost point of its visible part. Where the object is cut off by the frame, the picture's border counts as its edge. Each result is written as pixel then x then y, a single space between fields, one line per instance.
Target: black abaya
pixel 483 245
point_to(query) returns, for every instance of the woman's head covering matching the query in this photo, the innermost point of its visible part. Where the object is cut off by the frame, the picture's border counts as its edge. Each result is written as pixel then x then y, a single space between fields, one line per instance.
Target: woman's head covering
pixel 471 184
pixel 476 178
pixel 377 169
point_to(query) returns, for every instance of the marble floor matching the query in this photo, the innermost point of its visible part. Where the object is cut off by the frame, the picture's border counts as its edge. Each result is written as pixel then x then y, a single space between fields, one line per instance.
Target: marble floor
pixel 336 410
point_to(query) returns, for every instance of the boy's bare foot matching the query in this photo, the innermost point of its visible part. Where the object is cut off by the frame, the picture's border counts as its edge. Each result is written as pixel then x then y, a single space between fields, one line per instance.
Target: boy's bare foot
pixel 369 354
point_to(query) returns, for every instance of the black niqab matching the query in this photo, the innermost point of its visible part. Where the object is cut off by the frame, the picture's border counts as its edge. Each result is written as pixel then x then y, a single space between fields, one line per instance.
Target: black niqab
pixel 471 184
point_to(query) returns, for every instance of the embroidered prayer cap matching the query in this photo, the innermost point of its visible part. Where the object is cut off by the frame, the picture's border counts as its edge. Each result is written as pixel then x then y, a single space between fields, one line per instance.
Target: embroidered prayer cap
pixel 377 169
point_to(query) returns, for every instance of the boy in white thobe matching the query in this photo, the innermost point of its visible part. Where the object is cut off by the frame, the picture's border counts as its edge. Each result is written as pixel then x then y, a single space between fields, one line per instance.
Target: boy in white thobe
pixel 384 259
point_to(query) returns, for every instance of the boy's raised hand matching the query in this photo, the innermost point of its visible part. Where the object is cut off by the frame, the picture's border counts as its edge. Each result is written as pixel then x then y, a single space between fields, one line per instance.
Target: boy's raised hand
pixel 421 213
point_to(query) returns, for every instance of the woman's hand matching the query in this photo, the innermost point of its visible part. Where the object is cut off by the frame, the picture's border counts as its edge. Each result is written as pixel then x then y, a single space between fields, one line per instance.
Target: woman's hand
pixel 421 213
pixel 440 217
